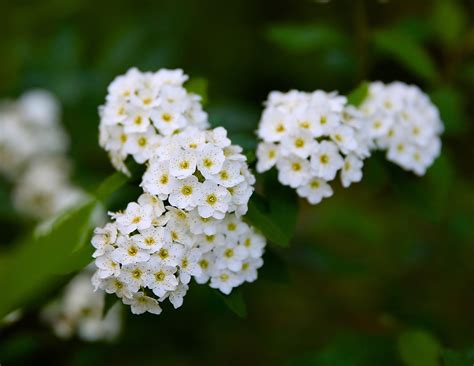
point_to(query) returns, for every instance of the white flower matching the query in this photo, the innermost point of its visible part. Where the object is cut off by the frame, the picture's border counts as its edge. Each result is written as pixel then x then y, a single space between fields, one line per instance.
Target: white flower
pixel 134 276
pixel 107 266
pixel 249 269
pixel 300 144
pixel 135 217
pixel 189 265
pixel 151 239
pixel 326 160
pixel 161 278
pixel 210 161
pixel 157 180
pixel 214 200
pixel 315 190
pixel 293 171
pixel 351 171
pixel 129 252
pixel 177 295
pixel 267 155
pixel 230 256
pixel 186 193
pixel 182 163
pixel 225 280
pixel 140 303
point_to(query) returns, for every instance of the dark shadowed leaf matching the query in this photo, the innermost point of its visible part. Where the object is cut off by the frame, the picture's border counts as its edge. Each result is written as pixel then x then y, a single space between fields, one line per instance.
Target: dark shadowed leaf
pixel 419 348
pixel 407 52
pixel 358 95
pixel 198 86
pixel 235 301
pixel 303 38
pixel 451 107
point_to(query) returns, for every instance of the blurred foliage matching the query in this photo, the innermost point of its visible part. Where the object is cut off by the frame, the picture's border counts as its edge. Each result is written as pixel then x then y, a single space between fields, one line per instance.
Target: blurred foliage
pixel 379 274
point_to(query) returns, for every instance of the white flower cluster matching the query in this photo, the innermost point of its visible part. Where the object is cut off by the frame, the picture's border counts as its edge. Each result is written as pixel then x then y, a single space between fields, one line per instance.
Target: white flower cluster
pixel 44 189
pixel 149 253
pixel 80 310
pixel 200 171
pixel 141 108
pixel 29 128
pixel 310 137
pixel 403 121
pixel 32 148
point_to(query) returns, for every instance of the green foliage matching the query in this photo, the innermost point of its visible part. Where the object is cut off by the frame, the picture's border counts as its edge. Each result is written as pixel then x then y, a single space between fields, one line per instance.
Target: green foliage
pixel 235 302
pixel 407 52
pixel 350 350
pixel 456 358
pixel 449 22
pixel 304 38
pixel 198 86
pixel 33 265
pixel 358 95
pixel 451 107
pixel 275 214
pixel 419 348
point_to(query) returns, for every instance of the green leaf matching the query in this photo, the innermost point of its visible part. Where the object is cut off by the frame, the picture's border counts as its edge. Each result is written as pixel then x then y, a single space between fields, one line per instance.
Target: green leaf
pixel 110 185
pixel 456 358
pixel 235 301
pixel 198 86
pixel 451 107
pixel 449 22
pixel 419 348
pixel 275 216
pixel 358 95
pixel 32 266
pixel 304 38
pixel 407 52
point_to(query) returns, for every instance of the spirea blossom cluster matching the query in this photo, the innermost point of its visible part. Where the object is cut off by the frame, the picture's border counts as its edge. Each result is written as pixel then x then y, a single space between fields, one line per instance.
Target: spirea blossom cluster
pixel 150 253
pixel 143 107
pixel 32 156
pixel 80 310
pixel 200 171
pixel 44 189
pixel 403 121
pixel 310 138
pixel 29 128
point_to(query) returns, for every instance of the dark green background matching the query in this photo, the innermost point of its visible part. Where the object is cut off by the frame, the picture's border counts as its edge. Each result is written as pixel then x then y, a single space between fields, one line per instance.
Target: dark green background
pixel 379 274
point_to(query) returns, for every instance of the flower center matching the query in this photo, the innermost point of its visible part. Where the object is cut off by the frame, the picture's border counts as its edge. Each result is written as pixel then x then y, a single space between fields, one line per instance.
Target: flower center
pixel 166 117
pixel 211 199
pixel 163 253
pixel 299 143
pixel 296 167
pixel 160 276
pixel 187 190
pixel 324 159
pixel 229 253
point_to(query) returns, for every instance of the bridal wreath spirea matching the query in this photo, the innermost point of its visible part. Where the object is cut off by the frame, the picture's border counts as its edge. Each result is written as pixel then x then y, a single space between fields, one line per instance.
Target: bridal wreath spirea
pixel 141 108
pixel 310 137
pixel 403 121
pixel 200 171
pixel 150 252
